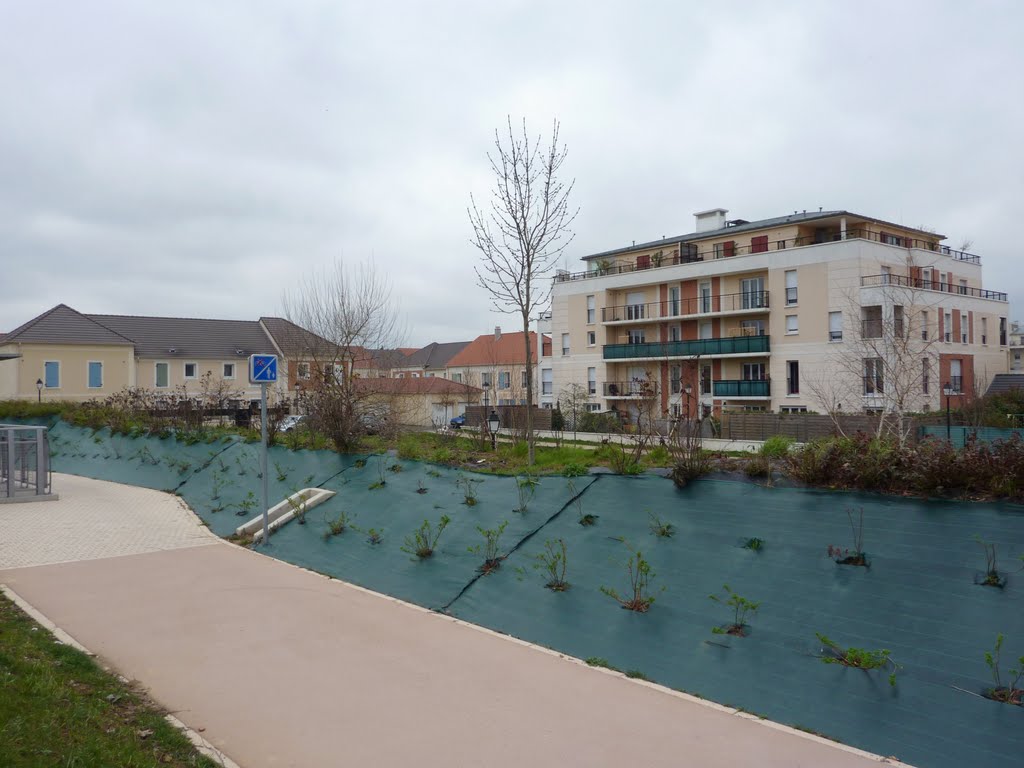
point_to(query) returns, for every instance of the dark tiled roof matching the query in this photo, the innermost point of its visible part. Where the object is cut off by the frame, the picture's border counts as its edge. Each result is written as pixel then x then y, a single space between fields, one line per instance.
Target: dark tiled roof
pixel 380 359
pixel 435 356
pixel 777 221
pixel 428 385
pixel 64 325
pixel 296 342
pixel 1005 382
pixel 180 337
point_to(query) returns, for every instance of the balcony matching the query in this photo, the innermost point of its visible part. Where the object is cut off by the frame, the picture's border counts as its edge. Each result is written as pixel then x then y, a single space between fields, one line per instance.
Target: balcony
pixel 900 281
pixel 748 301
pixel 739 345
pixel 636 389
pixel 742 388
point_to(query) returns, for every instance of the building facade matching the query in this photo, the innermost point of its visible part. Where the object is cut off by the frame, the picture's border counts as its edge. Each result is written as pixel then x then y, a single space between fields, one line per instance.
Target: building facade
pixel 819 311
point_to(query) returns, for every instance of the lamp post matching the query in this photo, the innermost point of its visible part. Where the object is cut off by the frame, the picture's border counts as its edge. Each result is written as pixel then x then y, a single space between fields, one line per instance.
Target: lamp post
pixel 39 389
pixel 298 396
pixel 493 423
pixel 688 390
pixel 947 390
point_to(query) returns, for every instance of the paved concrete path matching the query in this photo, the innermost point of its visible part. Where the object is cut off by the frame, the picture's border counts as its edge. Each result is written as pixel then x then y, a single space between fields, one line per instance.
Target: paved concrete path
pixel 282 667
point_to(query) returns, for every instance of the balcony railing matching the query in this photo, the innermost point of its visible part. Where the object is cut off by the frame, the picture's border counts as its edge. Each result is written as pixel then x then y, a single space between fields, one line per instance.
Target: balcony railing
pixel 642 388
pixel 738 345
pixel 700 305
pixel 742 388
pixel 929 285
pixel 640 263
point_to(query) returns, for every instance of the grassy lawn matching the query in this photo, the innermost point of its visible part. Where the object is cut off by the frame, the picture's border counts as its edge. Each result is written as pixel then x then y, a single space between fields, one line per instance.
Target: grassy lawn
pixel 58 708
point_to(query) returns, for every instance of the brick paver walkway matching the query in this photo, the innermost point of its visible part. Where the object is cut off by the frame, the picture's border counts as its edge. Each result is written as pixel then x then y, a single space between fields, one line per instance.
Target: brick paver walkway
pixel 95 519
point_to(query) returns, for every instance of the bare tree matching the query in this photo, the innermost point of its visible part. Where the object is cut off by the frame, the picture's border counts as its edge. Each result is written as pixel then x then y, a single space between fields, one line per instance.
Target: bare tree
pixel 574 397
pixel 522 232
pixel 341 312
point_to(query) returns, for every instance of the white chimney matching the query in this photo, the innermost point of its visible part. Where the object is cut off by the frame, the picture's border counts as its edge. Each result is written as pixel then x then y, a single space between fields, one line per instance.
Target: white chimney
pixel 497 333
pixel 708 221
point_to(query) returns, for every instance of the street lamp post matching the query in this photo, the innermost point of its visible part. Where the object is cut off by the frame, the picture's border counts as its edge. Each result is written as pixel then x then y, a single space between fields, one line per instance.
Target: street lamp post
pixel 493 423
pixel 947 390
pixel 688 390
pixel 39 389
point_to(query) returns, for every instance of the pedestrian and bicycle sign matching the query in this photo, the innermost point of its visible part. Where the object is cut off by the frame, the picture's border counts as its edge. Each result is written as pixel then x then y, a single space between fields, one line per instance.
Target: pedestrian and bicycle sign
pixel 262 369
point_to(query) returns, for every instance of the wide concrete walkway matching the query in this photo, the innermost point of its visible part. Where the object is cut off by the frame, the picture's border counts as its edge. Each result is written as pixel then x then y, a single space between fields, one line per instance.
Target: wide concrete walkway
pixel 282 667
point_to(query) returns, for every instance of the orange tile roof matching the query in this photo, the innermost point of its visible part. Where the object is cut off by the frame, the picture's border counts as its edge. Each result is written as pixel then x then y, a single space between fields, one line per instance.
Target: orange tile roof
pixel 484 350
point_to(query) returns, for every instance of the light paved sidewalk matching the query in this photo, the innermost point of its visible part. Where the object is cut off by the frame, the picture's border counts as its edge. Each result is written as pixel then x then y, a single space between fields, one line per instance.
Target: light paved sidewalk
pixel 281 667
pixel 95 519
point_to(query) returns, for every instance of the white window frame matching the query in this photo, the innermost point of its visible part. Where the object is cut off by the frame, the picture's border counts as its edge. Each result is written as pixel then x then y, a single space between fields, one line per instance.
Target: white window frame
pixel 591 310
pixel 547 381
pixel 156 377
pixel 591 338
pixel 565 345
pixel 184 370
pixel 88 378
pixel 299 368
pixel 947 327
pixel 792 325
pixel 965 327
pixel 485 380
pixel 592 380
pixel 835 335
pixel 223 371
pixel 791 278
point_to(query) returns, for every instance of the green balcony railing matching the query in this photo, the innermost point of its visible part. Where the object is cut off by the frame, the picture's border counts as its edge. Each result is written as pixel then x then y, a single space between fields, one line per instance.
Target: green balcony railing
pixel 733 345
pixel 741 388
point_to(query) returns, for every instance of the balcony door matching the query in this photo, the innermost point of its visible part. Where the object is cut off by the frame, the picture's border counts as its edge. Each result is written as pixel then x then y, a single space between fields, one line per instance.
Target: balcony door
pixel 635 306
pixel 752 289
pixel 673 302
pixel 704 295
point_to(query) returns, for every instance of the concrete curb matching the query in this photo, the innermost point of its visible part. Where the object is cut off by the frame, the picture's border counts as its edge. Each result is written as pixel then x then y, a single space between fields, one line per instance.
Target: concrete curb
pixel 283 511
pixel 201 744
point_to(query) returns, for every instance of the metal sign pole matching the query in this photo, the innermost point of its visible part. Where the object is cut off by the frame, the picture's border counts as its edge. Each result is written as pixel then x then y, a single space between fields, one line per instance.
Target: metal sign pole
pixel 263 461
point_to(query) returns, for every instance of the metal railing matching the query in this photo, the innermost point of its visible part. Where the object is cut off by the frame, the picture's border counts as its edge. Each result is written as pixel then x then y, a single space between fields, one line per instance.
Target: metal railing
pixel 742 388
pixel 611 267
pixel 24 462
pixel 698 305
pixel 736 345
pixel 635 388
pixel 930 285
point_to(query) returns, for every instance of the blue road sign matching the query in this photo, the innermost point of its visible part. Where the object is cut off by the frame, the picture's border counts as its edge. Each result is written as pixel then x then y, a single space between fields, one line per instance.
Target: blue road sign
pixel 262 369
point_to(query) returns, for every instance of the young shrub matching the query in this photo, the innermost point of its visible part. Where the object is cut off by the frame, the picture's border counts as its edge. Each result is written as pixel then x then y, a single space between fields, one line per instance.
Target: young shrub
pixel 777 447
pixel 338 525
pixel 424 539
pixel 381 480
pixel 601 663
pixel 247 505
pixel 992 577
pixel 396 467
pixel 757 466
pixel 635 674
pixel 660 528
pixel 373 536
pixel 857 657
pixel 468 487
pixel 754 544
pixel 584 519
pixel 297 504
pixel 856 556
pixel 218 484
pixel 282 474
pixel 553 561
pixel 659 456
pixel 489 548
pixel 572 469
pixel 526 487
pixel 420 487
pixel 640 575
pixel 741 607
pixel 1006 690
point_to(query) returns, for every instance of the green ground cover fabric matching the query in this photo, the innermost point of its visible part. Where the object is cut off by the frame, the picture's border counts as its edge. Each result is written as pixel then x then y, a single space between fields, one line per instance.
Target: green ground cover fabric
pixel 919 597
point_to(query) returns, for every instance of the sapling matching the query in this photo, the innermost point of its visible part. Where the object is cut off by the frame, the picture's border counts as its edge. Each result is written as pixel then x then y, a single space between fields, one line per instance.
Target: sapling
pixel 553 561
pixel 395 468
pixel 640 576
pixel 218 483
pixel 338 525
pixel 858 657
pixel 420 487
pixel 576 498
pixel 374 536
pixel 468 486
pixel 741 607
pixel 660 528
pixel 246 505
pixel 856 556
pixel 755 544
pixel 381 481
pixel 424 539
pixel 1004 691
pixel 297 503
pixel 992 578
pixel 489 548
pixel 526 487
pixel 282 474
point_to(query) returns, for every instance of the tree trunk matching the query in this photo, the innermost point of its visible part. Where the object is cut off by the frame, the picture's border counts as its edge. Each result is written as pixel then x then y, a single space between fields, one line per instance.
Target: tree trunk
pixel 529 389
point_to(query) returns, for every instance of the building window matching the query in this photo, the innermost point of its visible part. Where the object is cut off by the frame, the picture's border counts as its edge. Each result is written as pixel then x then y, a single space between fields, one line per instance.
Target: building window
pixel 457 377
pixel 835 326
pixel 675 379
pixel 675 333
pixel 705 380
pixel 752 290
pixel 591 338
pixel 485 380
pixel 888 239
pixel 704 294
pixel 228 371
pixel 593 407
pixel 925 375
pixel 790 287
pixel 51 374
pixel 924 325
pixel 956 380
pixel 635 307
pixel 926 279
pixel 591 310
pixel 897 321
pixel 984 330
pixel 592 380
pixel 676 410
pixel 95 375
pixel 524 378
pixel 719 250
pixel 1002 331
pixel 191 371
pixel 947 328
pixel 161 375
pixel 751 328
pixel 504 380
pixel 673 302
pixel 793 409
pixel 963 288
pixel 792 377
pixel 565 344
pixel 302 371
pixel 964 327
pixel 791 324
pixel 753 372
pixel 637 336
pixel 874 384
pixel 546 381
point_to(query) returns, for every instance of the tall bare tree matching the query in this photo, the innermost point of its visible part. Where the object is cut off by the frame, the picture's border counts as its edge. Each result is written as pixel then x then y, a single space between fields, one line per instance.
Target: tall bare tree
pixel 522 231
pixel 341 313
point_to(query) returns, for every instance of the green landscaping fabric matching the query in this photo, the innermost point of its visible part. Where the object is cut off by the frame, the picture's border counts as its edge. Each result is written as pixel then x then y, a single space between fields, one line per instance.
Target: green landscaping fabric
pixel 919 598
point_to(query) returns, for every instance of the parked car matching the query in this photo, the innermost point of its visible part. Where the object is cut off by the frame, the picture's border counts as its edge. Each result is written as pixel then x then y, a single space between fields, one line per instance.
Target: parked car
pixel 458 422
pixel 288 423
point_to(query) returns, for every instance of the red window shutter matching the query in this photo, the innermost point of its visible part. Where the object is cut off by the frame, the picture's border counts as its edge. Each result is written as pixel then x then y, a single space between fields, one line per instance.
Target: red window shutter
pixel 643 262
pixel 759 244
pixel 729 248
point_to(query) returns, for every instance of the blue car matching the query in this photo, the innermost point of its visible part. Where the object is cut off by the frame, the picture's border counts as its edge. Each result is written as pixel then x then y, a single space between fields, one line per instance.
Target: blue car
pixel 457 422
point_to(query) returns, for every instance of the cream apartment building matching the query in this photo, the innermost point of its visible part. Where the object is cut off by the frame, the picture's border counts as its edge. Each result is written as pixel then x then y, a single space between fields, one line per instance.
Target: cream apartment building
pixel 811 311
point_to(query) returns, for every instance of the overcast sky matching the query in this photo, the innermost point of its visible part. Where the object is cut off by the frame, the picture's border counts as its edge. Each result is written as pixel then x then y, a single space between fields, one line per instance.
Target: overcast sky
pixel 195 158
